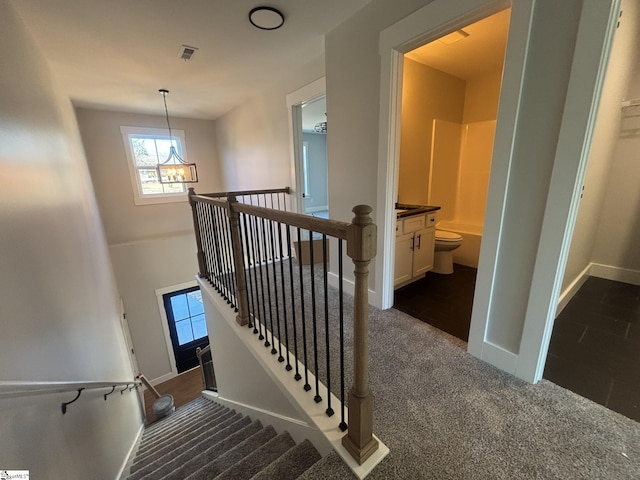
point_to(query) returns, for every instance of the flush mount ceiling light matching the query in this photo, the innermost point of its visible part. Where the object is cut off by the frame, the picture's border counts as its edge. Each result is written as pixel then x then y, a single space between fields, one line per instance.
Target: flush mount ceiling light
pixel 266 18
pixel 174 169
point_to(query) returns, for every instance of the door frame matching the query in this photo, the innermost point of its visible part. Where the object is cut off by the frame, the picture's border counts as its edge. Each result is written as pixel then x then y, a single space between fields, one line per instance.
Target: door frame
pixel 595 34
pixel 165 326
pixel 294 100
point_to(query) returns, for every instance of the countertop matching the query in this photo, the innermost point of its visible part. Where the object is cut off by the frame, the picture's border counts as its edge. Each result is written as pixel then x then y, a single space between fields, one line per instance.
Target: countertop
pixel 406 210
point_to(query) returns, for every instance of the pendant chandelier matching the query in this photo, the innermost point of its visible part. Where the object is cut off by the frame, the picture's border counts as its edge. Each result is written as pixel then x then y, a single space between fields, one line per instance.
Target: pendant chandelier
pixel 174 169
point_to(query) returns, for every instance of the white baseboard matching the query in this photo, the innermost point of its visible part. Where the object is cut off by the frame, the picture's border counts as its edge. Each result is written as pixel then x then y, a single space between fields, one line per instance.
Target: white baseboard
pixel 499 357
pixel 321 208
pixel 617 274
pixel 298 429
pixel 349 287
pixel 330 436
pixel 123 473
pixel 572 289
pixel 163 378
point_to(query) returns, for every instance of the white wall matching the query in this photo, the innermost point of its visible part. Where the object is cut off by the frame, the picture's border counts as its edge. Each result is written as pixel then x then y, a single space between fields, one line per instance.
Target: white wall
pixel 618 222
pixel 151 246
pixel 141 268
pixel 58 301
pixel 253 139
pixel 594 221
pixel 317 170
pixel 123 220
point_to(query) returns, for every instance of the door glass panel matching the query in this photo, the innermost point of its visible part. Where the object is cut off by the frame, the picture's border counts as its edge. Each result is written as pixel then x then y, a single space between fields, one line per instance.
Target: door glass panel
pixel 185 333
pixel 179 307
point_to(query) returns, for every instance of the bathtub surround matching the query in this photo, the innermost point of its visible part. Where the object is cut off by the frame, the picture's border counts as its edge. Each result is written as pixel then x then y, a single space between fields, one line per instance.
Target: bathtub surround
pixel 447 147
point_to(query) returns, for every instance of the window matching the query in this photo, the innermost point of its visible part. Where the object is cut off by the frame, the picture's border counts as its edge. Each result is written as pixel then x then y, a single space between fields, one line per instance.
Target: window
pixel 146 147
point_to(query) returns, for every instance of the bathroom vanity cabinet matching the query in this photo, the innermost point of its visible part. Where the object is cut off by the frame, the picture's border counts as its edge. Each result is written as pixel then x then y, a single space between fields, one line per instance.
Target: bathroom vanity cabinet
pixel 415 243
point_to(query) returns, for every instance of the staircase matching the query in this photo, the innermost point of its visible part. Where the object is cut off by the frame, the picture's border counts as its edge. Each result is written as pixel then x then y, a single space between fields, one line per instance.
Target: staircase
pixel 203 440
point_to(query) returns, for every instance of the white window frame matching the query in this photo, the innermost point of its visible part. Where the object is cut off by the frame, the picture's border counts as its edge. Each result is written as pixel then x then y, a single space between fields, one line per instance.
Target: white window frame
pixel 140 198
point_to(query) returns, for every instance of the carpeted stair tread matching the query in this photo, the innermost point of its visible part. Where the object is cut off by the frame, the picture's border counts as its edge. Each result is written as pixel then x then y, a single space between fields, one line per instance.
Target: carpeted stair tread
pixel 188 418
pixel 234 455
pixel 176 416
pixel 182 465
pixel 183 438
pixel 291 464
pixel 211 454
pixel 190 427
pixel 260 458
pixel 203 441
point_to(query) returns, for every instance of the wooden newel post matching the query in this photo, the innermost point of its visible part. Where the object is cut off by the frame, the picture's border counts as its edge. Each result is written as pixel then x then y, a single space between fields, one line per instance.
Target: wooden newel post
pixel 238 263
pixel 196 227
pixel 361 247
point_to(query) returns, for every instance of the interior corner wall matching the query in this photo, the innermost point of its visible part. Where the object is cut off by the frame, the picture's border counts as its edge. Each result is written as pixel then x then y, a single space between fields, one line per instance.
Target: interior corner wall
pixel 59 305
pixel 482 97
pixel 609 203
pixel 151 246
pixel 618 224
pixel 124 221
pixel 253 138
pixel 548 66
pixel 427 94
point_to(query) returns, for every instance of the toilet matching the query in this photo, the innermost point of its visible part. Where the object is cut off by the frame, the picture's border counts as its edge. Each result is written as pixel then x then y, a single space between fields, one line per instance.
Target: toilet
pixel 445 244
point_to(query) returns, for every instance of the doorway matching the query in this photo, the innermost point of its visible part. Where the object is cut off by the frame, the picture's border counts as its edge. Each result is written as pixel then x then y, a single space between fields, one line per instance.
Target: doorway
pixel 315 179
pixel 450 96
pixel 308 128
pixel 186 325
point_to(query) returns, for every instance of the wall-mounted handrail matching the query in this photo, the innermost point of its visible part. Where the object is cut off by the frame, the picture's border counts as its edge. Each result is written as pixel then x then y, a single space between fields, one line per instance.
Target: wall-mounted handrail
pixel 16 389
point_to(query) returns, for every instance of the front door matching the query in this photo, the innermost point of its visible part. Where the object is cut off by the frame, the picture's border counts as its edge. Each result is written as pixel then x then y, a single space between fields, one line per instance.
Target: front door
pixel 187 325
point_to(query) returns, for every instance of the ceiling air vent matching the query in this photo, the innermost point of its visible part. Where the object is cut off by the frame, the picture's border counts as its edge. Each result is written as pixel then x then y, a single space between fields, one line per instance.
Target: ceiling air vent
pixel 186 52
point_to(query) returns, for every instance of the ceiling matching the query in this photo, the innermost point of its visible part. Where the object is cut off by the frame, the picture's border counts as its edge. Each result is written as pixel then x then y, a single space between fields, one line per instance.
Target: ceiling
pixel 116 54
pixel 479 53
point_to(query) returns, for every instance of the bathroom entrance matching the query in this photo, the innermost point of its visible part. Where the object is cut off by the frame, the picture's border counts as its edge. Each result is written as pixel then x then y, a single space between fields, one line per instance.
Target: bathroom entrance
pixel 450 96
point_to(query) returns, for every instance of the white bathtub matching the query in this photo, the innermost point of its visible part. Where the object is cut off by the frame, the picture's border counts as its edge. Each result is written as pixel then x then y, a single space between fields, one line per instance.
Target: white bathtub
pixel 469 252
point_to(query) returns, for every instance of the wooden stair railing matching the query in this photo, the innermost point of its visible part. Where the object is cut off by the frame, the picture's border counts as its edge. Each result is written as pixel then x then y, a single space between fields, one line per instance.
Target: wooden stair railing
pixel 360 236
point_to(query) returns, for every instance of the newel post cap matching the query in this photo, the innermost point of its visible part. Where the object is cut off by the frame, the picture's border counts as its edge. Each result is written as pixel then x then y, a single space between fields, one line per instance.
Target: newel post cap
pixel 362 234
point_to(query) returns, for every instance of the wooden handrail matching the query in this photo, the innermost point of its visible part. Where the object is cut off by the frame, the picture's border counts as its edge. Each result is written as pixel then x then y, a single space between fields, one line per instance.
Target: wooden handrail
pixel 332 228
pixel 240 193
pixel 360 236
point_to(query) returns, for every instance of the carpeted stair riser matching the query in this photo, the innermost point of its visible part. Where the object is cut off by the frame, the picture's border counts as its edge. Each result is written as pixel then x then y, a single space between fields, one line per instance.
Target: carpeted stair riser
pixel 260 458
pixel 164 466
pixel 178 418
pixel 192 423
pixel 182 465
pixel 175 417
pixel 203 440
pixel 183 438
pixel 292 464
pixel 159 458
pixel 166 424
pixel 231 457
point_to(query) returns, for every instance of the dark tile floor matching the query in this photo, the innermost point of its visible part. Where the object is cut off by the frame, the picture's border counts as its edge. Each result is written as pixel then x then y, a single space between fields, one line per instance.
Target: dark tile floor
pixel 595 345
pixel 444 301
